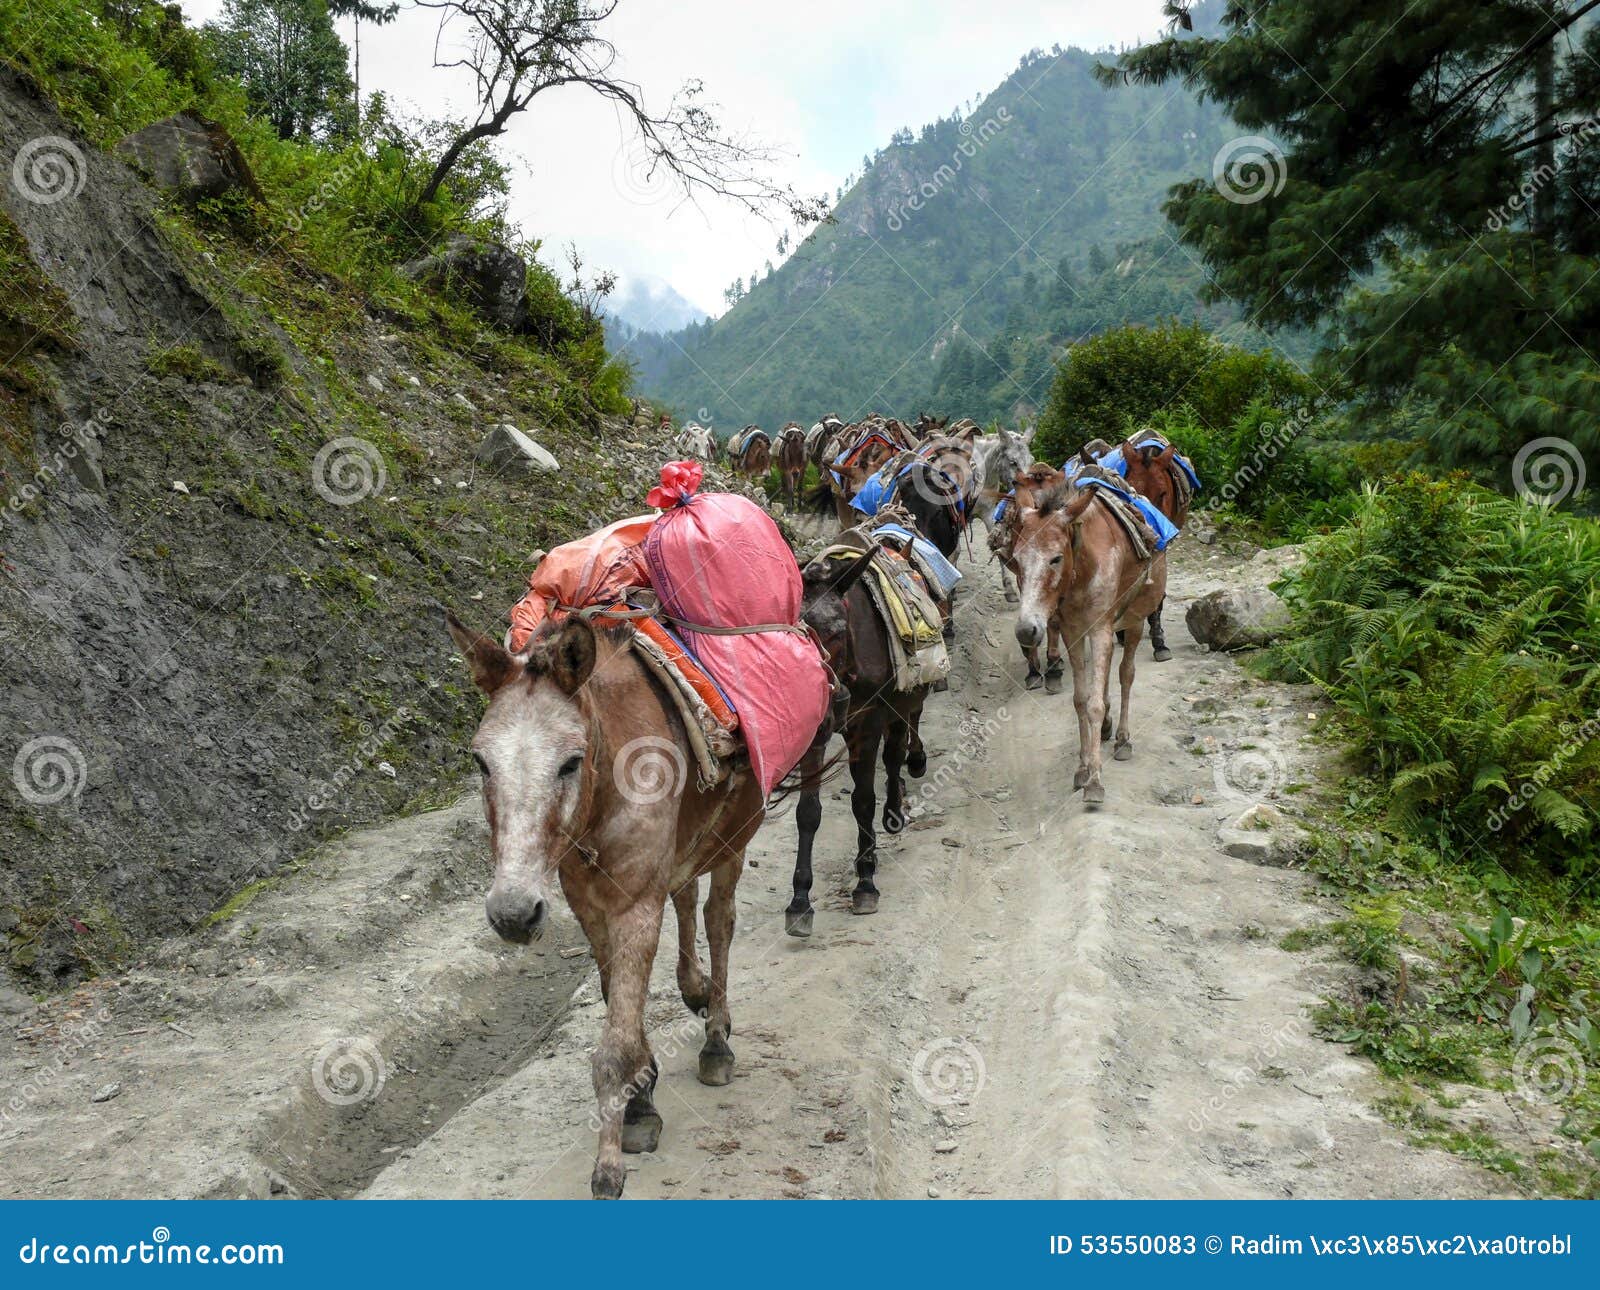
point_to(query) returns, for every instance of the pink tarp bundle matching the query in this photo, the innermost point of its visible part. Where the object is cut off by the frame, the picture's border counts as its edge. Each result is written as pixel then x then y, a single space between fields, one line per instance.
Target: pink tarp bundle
pixel 718 559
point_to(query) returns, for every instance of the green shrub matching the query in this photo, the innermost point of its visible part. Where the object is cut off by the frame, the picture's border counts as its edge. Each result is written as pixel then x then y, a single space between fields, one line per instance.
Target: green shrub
pixel 1457 632
pixel 1118 381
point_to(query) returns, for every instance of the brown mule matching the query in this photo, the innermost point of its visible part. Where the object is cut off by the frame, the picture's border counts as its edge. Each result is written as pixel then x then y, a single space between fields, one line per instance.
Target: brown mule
pixel 1027 487
pixel 791 455
pixel 1154 471
pixel 855 640
pixel 750 452
pixel 587 780
pixel 1081 582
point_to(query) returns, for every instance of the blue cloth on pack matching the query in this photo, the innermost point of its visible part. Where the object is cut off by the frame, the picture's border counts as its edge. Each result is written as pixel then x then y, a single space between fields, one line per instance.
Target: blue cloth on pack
pixel 1000 510
pixel 876 492
pixel 1117 464
pixel 945 573
pixel 1164 528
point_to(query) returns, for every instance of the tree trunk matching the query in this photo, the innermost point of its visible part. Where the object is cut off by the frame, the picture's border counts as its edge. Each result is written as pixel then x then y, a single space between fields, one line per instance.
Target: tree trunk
pixel 1542 216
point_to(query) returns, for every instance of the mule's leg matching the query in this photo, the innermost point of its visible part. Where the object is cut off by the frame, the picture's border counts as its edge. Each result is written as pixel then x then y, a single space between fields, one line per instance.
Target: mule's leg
pixel 863 802
pixel 1080 702
pixel 641 1122
pixel 1158 636
pixel 1100 651
pixel 1053 669
pixel 1123 749
pixel 897 734
pixel 593 921
pixel 622 1061
pixel 807 818
pixel 916 754
pixel 1035 677
pixel 716 1058
pixel 691 976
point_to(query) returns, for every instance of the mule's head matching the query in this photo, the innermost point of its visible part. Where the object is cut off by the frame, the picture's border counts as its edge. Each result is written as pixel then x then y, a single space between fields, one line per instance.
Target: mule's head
pixel 1010 457
pixel 1047 541
pixel 1150 472
pixel 532 749
pixel 825 586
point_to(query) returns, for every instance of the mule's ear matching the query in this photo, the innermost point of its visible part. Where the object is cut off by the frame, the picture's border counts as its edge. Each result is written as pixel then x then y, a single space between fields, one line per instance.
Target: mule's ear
pixel 492 665
pixel 567 654
pixel 1027 435
pixel 1167 454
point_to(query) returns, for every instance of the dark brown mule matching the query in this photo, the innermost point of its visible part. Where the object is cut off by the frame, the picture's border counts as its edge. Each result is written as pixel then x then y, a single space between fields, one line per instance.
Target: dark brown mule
pixel 791 455
pixel 927 425
pixel 856 641
pixel 1081 582
pixel 753 454
pixel 1154 471
pixel 587 779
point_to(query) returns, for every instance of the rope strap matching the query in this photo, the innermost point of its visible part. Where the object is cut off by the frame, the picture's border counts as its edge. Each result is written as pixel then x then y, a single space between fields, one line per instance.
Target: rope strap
pixel 590 612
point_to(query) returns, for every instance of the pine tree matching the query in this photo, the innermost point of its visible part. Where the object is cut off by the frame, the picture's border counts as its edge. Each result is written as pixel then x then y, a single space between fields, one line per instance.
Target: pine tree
pixel 1425 177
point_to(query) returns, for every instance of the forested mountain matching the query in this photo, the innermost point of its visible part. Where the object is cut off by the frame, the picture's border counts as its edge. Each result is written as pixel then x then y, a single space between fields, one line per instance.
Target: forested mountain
pixel 954 268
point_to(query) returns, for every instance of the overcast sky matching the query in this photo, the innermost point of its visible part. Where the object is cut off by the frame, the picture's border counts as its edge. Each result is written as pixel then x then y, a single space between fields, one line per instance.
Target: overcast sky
pixel 825 80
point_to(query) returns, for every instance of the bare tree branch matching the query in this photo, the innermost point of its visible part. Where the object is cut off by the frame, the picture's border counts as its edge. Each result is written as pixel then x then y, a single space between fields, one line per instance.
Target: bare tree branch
pixel 518 49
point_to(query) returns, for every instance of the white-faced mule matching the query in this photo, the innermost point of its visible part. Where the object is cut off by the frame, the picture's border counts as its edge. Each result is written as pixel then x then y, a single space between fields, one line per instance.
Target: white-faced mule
pixel 587 782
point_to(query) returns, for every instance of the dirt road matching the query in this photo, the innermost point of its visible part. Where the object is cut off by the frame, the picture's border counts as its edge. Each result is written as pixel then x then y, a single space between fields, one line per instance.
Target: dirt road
pixel 1050 1003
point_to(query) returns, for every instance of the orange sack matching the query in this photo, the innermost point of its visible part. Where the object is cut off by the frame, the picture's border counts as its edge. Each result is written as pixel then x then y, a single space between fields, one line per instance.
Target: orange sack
pixel 599 569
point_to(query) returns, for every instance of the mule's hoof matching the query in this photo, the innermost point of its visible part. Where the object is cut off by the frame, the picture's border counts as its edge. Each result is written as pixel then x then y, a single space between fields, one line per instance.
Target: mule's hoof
pixel 893 821
pixel 949 632
pixel 917 764
pixel 699 1004
pixel 863 902
pixel 1105 730
pixel 606 1184
pixel 1162 653
pixel 1122 752
pixel 716 1069
pixel 1094 792
pixel 1035 679
pixel 1052 683
pixel 1011 596
pixel 643 1134
pixel 941 685
pixel 1079 779
pixel 797 922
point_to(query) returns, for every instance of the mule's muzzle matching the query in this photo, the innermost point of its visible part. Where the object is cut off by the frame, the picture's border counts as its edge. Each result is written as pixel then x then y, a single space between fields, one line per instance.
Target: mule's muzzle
pixel 1029 633
pixel 515 917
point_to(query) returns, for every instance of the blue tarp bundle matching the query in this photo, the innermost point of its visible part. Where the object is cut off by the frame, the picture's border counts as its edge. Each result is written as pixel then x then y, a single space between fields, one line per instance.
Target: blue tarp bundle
pixel 1164 528
pixel 945 573
pixel 1117 464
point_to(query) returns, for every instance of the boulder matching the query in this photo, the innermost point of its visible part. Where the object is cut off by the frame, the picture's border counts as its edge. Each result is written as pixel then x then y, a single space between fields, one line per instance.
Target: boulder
pixel 488 276
pixel 1261 834
pixel 191 156
pixel 1237 619
pixel 505 448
